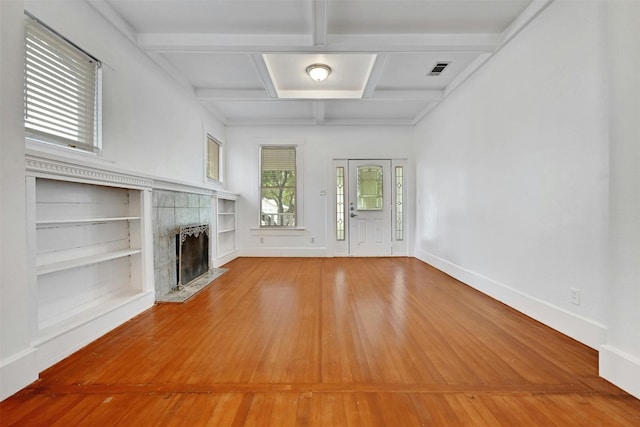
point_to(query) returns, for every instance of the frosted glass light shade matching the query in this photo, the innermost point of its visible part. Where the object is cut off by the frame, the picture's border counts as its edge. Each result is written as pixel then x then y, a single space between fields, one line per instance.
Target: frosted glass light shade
pixel 318 72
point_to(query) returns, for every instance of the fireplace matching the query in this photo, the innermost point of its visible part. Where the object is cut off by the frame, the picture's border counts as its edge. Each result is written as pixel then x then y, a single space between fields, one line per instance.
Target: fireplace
pixel 192 245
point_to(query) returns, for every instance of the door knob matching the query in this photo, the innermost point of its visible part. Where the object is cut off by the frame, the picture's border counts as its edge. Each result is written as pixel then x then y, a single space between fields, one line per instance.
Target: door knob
pixel 352 215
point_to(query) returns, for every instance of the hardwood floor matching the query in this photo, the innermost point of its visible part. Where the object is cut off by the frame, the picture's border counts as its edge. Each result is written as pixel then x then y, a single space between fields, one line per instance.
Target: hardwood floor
pixel 328 342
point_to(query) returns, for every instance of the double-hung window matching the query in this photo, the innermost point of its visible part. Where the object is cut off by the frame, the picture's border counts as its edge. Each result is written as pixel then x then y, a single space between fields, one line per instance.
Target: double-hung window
pixel 61 90
pixel 213 159
pixel 278 186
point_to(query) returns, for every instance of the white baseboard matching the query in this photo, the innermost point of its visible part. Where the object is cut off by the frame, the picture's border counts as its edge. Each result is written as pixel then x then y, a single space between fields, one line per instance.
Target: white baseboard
pixel 620 368
pixel 54 349
pixel 219 262
pixel 585 330
pixel 18 372
pixel 284 252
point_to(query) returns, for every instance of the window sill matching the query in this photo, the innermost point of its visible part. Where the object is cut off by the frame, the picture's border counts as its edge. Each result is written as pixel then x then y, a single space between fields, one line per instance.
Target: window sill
pixel 33 146
pixel 278 231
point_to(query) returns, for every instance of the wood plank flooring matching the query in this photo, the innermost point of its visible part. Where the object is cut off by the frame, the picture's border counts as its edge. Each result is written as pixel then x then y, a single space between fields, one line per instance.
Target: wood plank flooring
pixel 327 342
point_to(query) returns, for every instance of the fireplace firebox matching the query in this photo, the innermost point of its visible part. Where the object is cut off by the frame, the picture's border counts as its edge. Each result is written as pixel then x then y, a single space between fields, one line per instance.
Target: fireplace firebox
pixel 192 245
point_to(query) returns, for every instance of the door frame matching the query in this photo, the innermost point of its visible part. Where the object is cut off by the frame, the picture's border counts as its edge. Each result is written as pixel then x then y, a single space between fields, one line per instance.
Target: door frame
pixel 399 247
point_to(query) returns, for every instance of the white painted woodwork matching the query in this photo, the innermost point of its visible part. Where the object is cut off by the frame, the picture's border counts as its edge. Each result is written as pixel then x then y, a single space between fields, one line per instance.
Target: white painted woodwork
pixel 89 255
pixel 620 357
pixel 86 240
pixel 226 224
pixel 369 230
pixel 505 177
pixel 17 354
pixel 474 165
pixel 217 48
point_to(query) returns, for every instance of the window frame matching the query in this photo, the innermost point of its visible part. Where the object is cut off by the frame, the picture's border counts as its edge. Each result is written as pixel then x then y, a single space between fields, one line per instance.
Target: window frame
pixel 89 144
pixel 208 141
pixel 298 188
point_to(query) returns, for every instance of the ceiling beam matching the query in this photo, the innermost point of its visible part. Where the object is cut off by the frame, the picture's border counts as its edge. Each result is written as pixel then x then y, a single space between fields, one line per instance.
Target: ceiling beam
pixel 265 77
pixel 319 19
pixel 171 70
pixel 319 112
pixel 466 73
pixel 433 95
pixel 312 122
pixel 374 76
pixel 210 42
pixel 415 42
pixel 528 15
pixel 114 18
pixel 209 94
pixel 297 43
pixel 232 95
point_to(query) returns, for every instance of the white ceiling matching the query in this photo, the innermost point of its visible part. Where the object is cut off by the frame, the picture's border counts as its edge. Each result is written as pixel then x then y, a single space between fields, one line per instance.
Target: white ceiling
pixel 246 59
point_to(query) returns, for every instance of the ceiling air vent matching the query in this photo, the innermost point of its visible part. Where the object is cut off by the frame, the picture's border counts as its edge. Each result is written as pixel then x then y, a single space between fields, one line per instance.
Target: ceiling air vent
pixel 438 68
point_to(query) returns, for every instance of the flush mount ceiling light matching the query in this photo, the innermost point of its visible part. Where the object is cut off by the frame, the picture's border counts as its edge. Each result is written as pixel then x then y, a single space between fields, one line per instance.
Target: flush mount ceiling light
pixel 318 72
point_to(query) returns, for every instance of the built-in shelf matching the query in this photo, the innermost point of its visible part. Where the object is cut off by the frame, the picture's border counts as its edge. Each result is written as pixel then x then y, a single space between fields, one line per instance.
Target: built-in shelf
pixel 226 224
pixel 72 221
pixel 83 261
pixel 89 253
pixel 93 237
pixel 85 313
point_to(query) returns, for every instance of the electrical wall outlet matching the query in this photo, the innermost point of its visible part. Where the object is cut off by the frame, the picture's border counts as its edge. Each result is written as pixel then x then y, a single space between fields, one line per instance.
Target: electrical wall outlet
pixel 574 296
pixel 313 240
pixel 262 240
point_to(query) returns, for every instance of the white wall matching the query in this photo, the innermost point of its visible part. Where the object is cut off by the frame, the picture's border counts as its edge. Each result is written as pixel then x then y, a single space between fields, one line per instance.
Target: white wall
pixel 512 174
pixel 320 146
pixel 151 125
pixel 528 179
pixel 17 358
pixel 620 357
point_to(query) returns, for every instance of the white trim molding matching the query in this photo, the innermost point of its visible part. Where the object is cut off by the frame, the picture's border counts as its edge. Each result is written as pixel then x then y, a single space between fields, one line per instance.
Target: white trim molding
pixel 42 167
pixel 294 252
pixel 18 372
pixel 587 331
pixel 53 349
pixel 164 184
pixel 620 368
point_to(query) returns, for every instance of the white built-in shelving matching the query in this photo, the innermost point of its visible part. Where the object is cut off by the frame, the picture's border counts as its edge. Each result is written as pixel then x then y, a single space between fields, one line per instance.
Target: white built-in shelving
pixel 89 245
pixel 84 261
pixel 226 223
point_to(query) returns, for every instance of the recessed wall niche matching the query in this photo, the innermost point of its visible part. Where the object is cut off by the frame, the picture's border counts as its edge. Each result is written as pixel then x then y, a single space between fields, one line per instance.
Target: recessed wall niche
pixel 172 210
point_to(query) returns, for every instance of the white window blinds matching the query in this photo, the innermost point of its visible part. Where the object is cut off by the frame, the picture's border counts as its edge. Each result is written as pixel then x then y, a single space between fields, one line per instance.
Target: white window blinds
pixel 278 177
pixel 278 158
pixel 213 158
pixel 62 90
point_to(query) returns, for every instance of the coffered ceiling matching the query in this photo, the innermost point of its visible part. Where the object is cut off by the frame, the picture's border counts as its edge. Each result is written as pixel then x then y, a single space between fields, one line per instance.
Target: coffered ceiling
pixel 245 59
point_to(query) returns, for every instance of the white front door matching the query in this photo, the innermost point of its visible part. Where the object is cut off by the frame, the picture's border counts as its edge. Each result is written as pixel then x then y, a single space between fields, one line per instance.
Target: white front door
pixel 369 207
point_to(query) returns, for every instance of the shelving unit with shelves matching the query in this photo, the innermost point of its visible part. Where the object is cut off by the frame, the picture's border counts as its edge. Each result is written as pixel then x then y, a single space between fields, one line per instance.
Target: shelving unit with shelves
pixel 90 254
pixel 226 224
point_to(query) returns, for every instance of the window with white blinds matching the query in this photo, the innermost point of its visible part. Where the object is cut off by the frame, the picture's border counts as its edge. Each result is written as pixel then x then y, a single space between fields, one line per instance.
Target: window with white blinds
pixel 213 159
pixel 62 90
pixel 278 186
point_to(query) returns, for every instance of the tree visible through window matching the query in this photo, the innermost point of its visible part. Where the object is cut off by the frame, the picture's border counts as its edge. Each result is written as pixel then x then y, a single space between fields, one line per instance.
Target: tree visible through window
pixel 278 186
